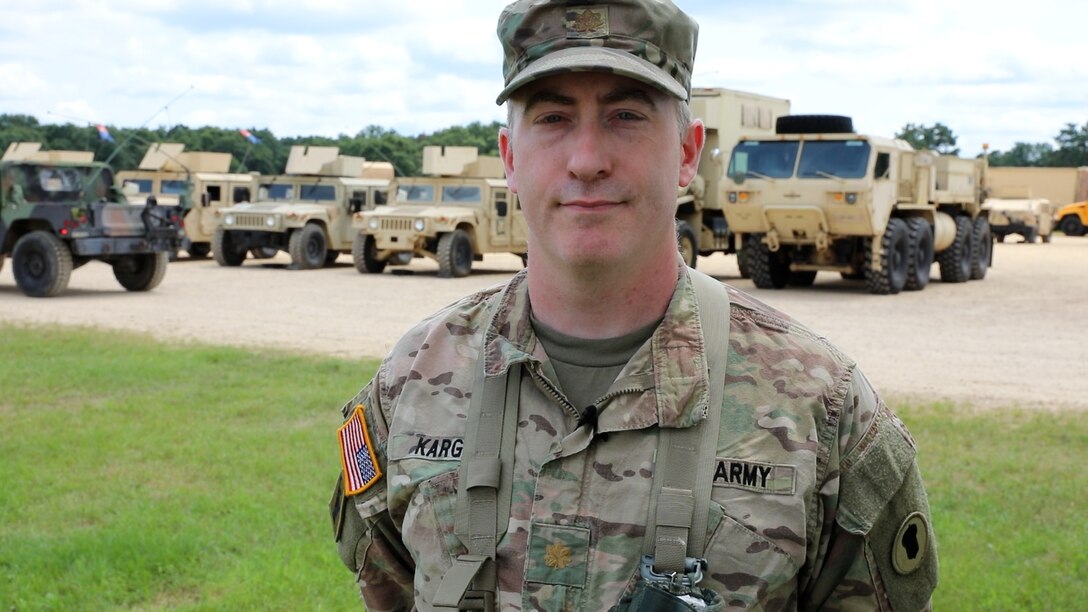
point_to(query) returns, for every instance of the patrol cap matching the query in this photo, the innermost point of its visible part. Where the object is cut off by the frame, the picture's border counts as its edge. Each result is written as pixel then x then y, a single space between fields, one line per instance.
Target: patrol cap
pixel 652 41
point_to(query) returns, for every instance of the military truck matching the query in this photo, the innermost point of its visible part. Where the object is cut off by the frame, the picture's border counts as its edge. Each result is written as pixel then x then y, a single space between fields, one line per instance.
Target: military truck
pixel 168 172
pixel 729 115
pixel 458 211
pixel 306 212
pixel 819 196
pixel 61 209
pixel 1013 210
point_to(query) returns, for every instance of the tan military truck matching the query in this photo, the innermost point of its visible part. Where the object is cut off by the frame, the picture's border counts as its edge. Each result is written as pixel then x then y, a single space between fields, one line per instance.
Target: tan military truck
pixel 460 210
pixel 169 173
pixel 701 225
pixel 818 196
pixel 1013 210
pixel 306 212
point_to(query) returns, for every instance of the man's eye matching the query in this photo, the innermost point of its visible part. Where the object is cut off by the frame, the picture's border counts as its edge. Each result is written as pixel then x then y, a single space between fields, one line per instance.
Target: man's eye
pixel 550 119
pixel 628 116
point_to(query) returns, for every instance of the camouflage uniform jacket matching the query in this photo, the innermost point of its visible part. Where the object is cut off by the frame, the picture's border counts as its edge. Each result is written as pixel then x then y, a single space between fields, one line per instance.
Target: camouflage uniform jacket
pixel 814 482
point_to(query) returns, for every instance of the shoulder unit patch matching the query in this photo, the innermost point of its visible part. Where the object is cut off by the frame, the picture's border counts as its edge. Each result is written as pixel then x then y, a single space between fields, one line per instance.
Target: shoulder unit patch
pixel 357 457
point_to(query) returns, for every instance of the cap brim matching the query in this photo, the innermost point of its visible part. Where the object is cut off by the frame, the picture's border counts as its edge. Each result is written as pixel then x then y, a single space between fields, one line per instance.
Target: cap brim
pixel 595 59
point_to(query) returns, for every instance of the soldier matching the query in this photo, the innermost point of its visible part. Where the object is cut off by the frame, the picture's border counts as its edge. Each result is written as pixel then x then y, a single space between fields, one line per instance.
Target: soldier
pixel 550 443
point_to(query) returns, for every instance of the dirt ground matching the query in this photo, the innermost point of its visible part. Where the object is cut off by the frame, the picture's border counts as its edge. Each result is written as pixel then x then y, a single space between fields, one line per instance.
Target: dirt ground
pixel 1019 337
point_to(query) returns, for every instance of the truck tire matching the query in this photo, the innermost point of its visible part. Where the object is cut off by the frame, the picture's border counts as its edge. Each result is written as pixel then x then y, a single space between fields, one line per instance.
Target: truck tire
pixel 41 264
pixel 955 261
pixel 224 251
pixel 331 256
pixel 687 242
pixel 769 270
pixel 891 277
pixel 454 254
pixel 983 246
pixel 1070 225
pixel 199 250
pixel 742 263
pixel 307 247
pixel 919 253
pixel 814 124
pixel 364 254
pixel 141 272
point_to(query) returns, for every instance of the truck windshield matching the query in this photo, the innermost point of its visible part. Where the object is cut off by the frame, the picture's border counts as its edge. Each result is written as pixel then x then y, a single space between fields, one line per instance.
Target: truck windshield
pixel 63 183
pixel 758 159
pixel 172 187
pixel 276 191
pixel 415 194
pixel 461 193
pixel 834 159
pixel 320 193
pixel 144 185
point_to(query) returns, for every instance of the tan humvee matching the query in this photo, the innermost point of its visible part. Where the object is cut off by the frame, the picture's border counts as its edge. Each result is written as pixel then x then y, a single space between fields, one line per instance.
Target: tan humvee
pixel 818 196
pixel 305 212
pixel 169 173
pixel 460 210
pixel 1013 210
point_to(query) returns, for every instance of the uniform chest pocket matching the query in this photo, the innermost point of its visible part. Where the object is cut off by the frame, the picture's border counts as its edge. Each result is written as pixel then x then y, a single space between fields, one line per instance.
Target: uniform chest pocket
pixel 428 526
pixel 747 569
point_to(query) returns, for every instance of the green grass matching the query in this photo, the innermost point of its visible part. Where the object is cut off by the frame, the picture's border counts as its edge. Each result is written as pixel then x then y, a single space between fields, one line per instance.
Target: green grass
pixel 135 474
pixel 1008 491
pixel 138 474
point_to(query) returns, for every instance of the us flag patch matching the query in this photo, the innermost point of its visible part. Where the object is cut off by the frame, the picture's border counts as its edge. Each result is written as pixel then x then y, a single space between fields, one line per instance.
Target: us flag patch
pixel 357 454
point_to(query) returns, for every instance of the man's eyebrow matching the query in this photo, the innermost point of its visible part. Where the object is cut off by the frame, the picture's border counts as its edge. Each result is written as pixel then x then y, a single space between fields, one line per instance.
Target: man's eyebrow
pixel 545 96
pixel 631 94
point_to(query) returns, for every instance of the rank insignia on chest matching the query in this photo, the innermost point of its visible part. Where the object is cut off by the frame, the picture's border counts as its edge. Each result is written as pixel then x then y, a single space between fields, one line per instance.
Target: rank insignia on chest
pixel 357 454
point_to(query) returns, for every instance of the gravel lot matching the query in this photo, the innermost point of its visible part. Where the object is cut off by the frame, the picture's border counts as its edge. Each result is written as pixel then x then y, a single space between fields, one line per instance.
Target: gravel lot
pixel 1019 337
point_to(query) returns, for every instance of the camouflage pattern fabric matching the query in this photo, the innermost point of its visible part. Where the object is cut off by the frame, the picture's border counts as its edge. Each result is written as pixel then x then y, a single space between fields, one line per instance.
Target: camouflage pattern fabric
pixel 649 40
pixel 817 501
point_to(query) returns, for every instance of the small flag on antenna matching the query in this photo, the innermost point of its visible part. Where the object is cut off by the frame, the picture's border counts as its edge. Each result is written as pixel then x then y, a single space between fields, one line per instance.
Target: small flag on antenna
pixel 250 137
pixel 103 133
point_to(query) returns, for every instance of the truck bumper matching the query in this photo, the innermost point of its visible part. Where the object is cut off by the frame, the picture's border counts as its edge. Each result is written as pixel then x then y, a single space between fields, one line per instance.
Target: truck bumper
pixel 252 239
pixel 130 245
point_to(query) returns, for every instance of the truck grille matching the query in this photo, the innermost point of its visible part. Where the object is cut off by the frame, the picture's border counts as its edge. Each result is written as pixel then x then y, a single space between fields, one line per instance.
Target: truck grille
pixel 394 224
pixel 249 221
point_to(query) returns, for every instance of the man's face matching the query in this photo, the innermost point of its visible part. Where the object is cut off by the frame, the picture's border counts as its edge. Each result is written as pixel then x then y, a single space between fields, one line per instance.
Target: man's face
pixel 596 159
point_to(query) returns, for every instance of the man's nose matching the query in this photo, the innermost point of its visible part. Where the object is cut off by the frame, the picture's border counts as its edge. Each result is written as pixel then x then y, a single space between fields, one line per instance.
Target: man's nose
pixel 589 159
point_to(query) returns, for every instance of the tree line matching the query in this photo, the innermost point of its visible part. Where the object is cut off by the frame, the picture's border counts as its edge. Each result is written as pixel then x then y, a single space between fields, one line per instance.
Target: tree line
pixel 264 152
pixel 1071 149
pixel 261 151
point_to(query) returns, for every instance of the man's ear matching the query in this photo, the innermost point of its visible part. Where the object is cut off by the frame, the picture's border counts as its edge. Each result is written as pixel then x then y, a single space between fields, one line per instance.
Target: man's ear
pixel 691 149
pixel 506 152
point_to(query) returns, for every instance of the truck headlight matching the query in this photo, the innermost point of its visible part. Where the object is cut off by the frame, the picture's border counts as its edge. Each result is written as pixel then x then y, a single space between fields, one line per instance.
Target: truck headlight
pixel 270 221
pixel 851 198
pixel 373 224
pixel 732 197
pixel 228 220
pixel 419 225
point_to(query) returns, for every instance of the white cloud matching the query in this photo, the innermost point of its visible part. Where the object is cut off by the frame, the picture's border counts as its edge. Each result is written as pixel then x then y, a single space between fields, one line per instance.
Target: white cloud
pixel 298 67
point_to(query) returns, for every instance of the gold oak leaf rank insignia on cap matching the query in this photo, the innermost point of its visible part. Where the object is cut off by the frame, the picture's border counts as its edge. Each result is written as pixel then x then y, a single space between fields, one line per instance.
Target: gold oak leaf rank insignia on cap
pixel 591 22
pixel 357 454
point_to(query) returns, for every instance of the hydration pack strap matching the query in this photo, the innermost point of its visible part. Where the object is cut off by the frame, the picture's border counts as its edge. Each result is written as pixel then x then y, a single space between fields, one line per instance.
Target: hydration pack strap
pixel 685 456
pixel 484 490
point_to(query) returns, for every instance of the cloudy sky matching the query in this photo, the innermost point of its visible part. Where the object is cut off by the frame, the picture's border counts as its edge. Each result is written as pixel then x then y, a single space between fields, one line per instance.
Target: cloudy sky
pixel 994 72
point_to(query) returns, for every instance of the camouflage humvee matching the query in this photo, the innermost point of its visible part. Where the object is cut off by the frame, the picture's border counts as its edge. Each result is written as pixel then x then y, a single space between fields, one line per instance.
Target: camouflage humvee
pixel 306 212
pixel 61 209
pixel 459 211
pixel 167 172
